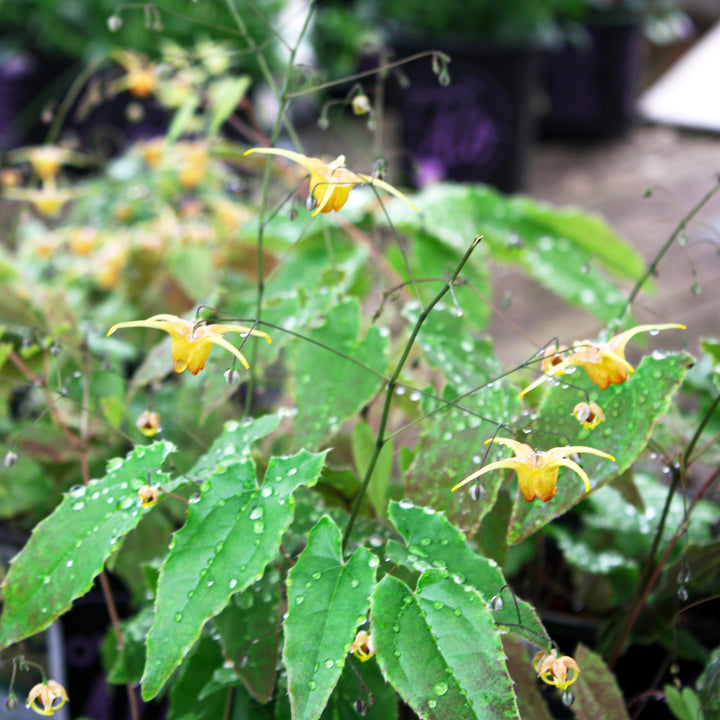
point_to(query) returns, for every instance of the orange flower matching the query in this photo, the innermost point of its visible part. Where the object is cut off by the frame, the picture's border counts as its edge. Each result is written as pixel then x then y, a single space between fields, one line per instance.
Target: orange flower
pixel 141 79
pixel 604 363
pixel 46 697
pixel 148 423
pixel 537 471
pixel 558 671
pixel 589 415
pixel 363 647
pixel 148 495
pixel 192 340
pixel 331 183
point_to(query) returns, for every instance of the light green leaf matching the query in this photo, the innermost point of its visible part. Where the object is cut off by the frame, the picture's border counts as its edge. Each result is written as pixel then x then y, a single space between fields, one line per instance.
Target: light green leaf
pixel 183 117
pixel 685 704
pixel 329 388
pixel 225 94
pixel 363 446
pixel 327 600
pixel 232 532
pixel 68 549
pixel 433 542
pixel 631 409
pixel 439 648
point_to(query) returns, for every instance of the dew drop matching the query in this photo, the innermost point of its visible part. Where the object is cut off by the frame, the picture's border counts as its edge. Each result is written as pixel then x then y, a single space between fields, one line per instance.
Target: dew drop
pixel 432 704
pixel 256 513
pixel 440 688
pixel 233 584
pixel 299 600
pixel 683 594
pixel 406 504
pixel 258 527
pixel 178 617
pixel 312 685
pixel 316 575
pixel 329 664
pixel 438 604
pixel 266 492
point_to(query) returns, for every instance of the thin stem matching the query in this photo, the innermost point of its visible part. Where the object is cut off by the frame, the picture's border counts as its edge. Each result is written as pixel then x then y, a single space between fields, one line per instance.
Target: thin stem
pixel 389 392
pixel 679 230
pixel 283 97
pixel 69 99
pixel 651 570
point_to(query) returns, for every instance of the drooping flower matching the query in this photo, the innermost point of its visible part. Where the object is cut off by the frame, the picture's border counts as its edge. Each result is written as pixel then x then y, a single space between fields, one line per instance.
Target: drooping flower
pixel 558 671
pixel 47 697
pixel 48 200
pixel 589 415
pixel 537 470
pixel 46 160
pixel 363 647
pixel 148 423
pixel 142 76
pixel 148 495
pixel 331 183
pixel 192 340
pixel 604 362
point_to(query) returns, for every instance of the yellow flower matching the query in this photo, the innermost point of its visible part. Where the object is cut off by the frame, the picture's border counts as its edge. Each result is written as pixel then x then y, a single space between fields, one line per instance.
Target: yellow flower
pixel 604 363
pixel 46 160
pixel 558 671
pixel 148 495
pixel 331 183
pixel 148 423
pixel 537 470
pixel 192 340
pixel 193 163
pixel 363 647
pixel 589 415
pixel 47 200
pixel 141 79
pixel 46 697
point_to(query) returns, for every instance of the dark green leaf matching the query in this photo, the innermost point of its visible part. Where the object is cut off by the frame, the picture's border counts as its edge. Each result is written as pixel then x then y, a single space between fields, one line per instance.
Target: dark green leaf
pixel 439 648
pixel 232 532
pixel 323 378
pixel 68 549
pixel 596 691
pixel 327 600
pixel 249 630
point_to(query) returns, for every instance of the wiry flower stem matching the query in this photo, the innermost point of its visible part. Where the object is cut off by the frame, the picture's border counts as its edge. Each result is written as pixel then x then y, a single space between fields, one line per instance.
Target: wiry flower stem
pixel 381 438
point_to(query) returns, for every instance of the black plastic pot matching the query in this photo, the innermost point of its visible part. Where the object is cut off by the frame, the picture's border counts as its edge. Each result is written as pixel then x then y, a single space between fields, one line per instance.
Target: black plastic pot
pixel 590 82
pixel 480 127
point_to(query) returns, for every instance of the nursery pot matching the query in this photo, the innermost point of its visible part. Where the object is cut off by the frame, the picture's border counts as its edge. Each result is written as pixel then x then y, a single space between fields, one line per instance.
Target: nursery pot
pixel 477 128
pixel 589 82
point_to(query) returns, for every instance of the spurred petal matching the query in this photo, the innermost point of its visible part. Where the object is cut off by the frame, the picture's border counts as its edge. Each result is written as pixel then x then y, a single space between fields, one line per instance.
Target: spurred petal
pixel 510 464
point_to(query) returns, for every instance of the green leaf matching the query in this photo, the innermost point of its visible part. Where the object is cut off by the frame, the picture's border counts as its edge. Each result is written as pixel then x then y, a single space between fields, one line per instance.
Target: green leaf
pixel 225 94
pixel 559 247
pixel 596 691
pixel 433 542
pixel 196 672
pixel 125 665
pixel 323 379
pixel 363 446
pixel 234 443
pixel 685 705
pixel 249 630
pixel 439 648
pixel 708 684
pixel 451 446
pixel 362 681
pixel 327 600
pixel 631 409
pixel 69 548
pixel 232 532
pixel 183 117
